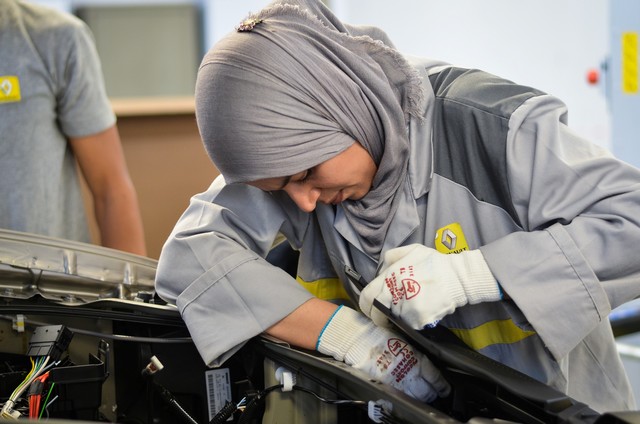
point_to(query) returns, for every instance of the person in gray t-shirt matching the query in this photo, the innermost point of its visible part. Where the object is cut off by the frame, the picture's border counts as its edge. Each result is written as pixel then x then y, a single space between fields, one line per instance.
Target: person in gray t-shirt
pixel 54 112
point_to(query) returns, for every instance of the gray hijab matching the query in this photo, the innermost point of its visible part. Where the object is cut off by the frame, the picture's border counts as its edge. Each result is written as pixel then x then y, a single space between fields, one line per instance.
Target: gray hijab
pixel 293 87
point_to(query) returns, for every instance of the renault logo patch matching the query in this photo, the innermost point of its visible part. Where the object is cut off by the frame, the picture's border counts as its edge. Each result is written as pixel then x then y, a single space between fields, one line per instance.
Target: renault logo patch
pixel 450 239
pixel 9 89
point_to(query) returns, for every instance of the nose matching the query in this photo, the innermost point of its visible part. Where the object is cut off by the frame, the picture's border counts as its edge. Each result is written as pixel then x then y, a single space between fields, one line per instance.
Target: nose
pixel 304 196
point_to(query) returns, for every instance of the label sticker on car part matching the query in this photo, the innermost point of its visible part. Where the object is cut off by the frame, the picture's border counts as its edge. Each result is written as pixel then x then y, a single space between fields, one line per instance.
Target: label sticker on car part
pixel 218 390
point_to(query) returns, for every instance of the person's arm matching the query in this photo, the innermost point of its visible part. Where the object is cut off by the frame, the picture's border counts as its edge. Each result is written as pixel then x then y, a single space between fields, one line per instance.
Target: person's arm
pixel 115 201
pixel 580 210
pixel 303 326
pixel 350 337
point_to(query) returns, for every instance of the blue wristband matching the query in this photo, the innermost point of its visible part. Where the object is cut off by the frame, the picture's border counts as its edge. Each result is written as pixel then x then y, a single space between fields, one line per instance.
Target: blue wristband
pixel 325 325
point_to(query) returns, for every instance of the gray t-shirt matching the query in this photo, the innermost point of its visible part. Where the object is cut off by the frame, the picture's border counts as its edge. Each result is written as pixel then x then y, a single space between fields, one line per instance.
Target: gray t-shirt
pixel 51 88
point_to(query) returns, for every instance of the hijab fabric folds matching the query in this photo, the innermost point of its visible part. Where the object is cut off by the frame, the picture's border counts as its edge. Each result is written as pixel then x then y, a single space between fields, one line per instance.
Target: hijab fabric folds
pixel 293 87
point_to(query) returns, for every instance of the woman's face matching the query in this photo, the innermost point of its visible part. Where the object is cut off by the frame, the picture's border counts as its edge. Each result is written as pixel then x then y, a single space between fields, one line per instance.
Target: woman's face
pixel 348 175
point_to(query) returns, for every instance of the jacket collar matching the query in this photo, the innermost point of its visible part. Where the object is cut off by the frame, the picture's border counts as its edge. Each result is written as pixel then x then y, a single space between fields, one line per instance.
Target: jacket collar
pixel 420 171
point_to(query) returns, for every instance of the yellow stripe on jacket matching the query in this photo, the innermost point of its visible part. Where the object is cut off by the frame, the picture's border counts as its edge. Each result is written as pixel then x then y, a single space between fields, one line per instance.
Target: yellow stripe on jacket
pixel 325 288
pixel 492 332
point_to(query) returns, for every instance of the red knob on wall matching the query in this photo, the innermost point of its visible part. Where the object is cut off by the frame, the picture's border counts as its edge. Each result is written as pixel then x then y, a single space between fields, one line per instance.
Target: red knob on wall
pixel 593 76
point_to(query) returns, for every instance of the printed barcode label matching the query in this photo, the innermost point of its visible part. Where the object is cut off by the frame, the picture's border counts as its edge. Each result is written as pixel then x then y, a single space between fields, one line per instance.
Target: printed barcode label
pixel 218 390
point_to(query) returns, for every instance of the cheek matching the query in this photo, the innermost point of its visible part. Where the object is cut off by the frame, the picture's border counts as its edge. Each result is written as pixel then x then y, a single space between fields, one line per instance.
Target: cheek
pixel 369 173
pixel 364 186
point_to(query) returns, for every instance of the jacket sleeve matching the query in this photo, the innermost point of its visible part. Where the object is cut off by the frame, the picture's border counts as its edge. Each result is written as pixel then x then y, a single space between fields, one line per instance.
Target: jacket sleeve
pixel 212 267
pixel 580 212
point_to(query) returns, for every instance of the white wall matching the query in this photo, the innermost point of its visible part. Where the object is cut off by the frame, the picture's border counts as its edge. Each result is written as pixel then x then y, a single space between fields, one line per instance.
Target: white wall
pixel 222 16
pixel 547 44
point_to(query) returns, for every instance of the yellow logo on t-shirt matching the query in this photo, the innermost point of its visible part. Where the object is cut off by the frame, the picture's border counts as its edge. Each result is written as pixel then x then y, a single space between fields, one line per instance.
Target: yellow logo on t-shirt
pixel 9 89
pixel 450 239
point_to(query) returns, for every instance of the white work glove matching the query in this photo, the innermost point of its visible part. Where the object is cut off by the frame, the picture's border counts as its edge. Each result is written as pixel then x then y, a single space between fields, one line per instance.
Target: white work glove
pixel 421 285
pixel 382 354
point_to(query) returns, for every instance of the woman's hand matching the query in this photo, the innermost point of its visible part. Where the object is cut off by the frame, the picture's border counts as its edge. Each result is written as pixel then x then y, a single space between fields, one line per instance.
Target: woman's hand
pixel 382 354
pixel 421 285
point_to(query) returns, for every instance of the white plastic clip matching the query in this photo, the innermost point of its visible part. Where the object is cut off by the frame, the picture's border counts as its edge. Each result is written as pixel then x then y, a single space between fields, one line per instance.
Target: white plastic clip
pixel 286 378
pixel 18 323
pixel 153 366
pixel 379 409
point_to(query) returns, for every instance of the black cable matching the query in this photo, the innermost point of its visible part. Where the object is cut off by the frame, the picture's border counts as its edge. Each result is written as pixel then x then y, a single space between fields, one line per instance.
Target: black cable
pixel 247 414
pixel 227 410
pixel 296 368
pixel 254 403
pixel 168 397
pixel 332 401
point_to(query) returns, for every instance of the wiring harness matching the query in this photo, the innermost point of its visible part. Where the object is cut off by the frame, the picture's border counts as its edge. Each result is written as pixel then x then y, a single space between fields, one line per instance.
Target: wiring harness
pixel 35 394
pixel 378 411
pixel 45 348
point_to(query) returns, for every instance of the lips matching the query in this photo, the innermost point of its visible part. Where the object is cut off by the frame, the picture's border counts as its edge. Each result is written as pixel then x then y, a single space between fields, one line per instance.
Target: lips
pixel 337 198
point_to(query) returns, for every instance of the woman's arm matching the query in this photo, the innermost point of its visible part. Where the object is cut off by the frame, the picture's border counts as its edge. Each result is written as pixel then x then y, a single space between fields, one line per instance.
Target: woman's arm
pixel 303 326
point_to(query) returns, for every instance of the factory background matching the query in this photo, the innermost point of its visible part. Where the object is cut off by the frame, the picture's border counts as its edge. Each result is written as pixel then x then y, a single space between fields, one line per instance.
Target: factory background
pixel 150 51
pixel 582 51
pixel 547 44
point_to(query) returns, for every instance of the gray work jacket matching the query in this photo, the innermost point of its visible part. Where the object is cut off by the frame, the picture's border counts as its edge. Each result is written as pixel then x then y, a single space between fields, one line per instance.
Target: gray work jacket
pixel 492 167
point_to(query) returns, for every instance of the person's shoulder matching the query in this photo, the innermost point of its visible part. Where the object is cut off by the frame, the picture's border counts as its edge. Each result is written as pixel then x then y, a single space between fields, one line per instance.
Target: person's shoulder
pixel 480 90
pixel 51 22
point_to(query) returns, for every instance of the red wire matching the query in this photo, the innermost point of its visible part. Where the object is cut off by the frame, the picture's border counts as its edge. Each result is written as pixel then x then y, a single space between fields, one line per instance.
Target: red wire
pixel 35 399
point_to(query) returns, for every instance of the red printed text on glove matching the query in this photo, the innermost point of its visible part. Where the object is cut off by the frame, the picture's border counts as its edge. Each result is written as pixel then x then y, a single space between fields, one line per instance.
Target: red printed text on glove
pixel 402 285
pixel 400 349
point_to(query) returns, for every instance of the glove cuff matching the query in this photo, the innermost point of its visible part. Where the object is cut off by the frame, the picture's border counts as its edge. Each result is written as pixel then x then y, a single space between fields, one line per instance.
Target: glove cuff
pixel 477 282
pixel 341 331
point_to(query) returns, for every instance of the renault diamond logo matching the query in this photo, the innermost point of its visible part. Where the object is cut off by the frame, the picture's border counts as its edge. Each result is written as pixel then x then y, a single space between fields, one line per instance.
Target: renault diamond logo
pixel 6 86
pixel 449 239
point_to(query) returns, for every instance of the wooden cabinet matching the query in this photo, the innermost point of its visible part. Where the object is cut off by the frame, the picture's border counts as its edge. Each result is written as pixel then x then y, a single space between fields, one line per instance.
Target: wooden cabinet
pixel 166 161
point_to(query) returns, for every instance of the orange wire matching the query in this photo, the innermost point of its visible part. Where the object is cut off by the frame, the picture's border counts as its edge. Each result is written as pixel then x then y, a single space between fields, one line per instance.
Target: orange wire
pixel 35 399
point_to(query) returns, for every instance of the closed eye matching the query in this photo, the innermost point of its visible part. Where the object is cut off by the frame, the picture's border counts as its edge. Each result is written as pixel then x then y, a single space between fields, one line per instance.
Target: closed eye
pixel 307 175
pixel 304 177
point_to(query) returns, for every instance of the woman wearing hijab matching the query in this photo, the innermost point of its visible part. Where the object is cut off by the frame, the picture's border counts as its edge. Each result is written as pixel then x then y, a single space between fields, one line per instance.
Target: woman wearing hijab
pixel 463 199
